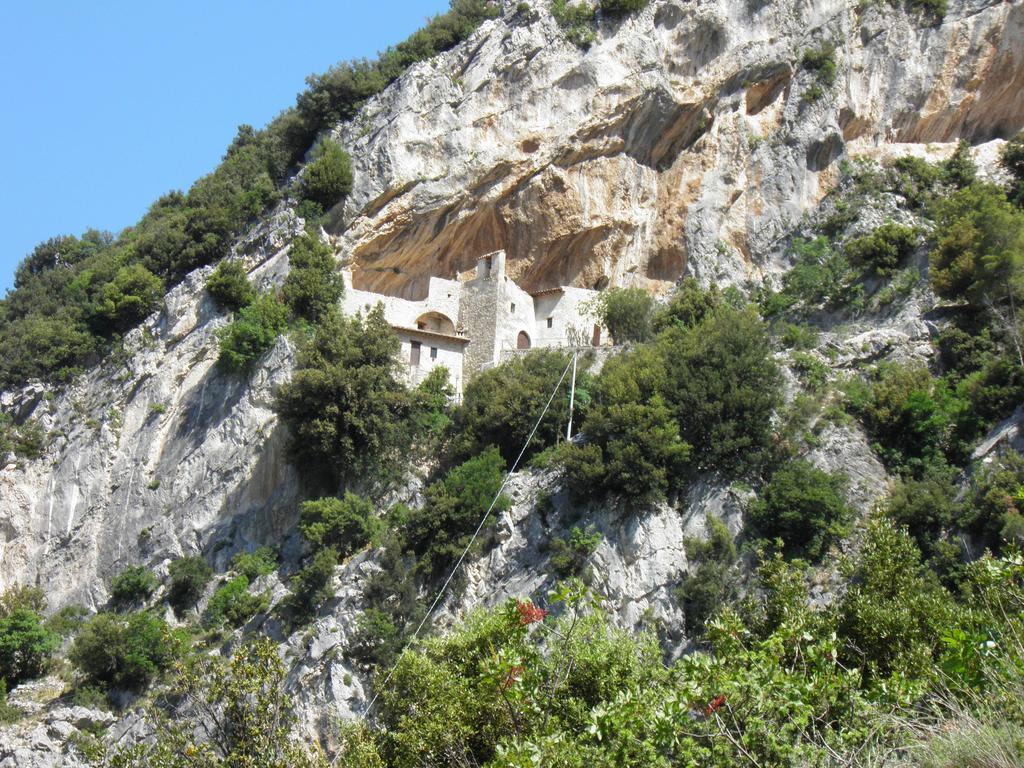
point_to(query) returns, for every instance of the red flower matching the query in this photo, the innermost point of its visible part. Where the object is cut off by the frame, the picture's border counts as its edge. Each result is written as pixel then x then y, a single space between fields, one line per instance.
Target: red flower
pixel 529 613
pixel 716 702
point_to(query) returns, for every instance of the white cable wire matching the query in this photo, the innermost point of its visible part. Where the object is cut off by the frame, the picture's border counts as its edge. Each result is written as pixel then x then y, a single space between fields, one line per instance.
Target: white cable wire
pixel 483 520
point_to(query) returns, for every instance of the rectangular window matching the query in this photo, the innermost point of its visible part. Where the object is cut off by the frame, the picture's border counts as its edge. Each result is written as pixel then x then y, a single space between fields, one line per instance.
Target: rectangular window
pixel 550 321
pixel 433 353
pixel 513 308
pixel 414 353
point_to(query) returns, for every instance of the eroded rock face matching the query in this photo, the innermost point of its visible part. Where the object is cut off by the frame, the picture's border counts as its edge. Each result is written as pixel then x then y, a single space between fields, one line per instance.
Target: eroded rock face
pixel 154 455
pixel 683 139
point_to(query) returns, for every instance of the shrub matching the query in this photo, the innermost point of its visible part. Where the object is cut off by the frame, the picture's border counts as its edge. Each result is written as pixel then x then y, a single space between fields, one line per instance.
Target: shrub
pixel 251 333
pixel 346 403
pixel 883 250
pixel 820 61
pixel 346 525
pixel 454 505
pixel 568 557
pixel 688 306
pixel 891 617
pixel 626 313
pixel 26 643
pixel 996 500
pixel 127 299
pixel 960 170
pixel 255 564
pixel 820 277
pixel 576 20
pixel 622 7
pixel 125 652
pixel 1011 156
pixel 132 585
pixel 501 406
pixel 805 507
pixel 633 450
pixel 328 178
pixel 722 386
pixel 229 286
pixel 310 587
pixel 313 285
pixel 243 701
pixel 978 237
pixel 26 441
pixel 189 576
pixel 234 603
pixel 709 584
pixel 928 509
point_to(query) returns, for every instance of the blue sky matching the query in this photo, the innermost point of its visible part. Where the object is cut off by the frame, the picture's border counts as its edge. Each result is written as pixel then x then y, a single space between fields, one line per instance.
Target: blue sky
pixel 108 105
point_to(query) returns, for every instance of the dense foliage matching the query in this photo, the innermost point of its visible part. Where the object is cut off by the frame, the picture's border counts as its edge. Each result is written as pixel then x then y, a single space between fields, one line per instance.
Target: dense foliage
pixel 125 651
pixel 26 643
pixel 327 179
pixel 132 585
pixel 189 577
pixel 626 313
pixel 252 333
pixel 229 286
pixel 346 403
pixel 313 286
pixel 347 524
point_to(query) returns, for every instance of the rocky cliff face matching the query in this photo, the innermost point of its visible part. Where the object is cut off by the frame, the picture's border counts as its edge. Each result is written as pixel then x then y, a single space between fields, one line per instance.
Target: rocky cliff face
pixel 681 142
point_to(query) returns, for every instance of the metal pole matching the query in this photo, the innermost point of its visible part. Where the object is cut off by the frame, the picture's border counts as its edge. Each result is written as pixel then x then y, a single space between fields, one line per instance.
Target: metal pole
pixel 572 397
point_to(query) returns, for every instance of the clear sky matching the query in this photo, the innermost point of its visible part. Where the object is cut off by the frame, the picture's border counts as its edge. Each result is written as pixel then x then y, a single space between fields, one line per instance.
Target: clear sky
pixel 109 104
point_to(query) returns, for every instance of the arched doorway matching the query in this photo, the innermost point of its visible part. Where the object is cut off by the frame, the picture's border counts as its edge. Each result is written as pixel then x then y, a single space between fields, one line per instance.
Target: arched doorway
pixel 522 340
pixel 436 322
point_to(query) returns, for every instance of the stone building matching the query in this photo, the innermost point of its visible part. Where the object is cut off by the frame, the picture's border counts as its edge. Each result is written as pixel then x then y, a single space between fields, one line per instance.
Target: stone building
pixel 475 322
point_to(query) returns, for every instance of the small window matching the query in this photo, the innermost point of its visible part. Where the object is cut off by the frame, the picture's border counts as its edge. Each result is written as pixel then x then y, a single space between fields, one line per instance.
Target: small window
pixel 421 325
pixel 550 322
pixel 513 307
pixel 433 353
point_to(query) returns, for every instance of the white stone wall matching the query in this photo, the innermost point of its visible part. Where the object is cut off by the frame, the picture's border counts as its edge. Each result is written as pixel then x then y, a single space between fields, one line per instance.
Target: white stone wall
pixel 571 319
pixel 449 354
pixel 515 314
pixel 443 297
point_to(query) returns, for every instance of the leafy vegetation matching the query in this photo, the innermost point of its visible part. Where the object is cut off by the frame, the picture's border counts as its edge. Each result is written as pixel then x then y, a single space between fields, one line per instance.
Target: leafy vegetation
pixel 568 556
pixel 189 577
pixel 576 20
pixel 711 582
pixel 501 405
pixel 313 286
pixel 310 587
pixel 252 333
pixel 229 286
pixel 253 565
pixel 346 525
pixel 821 61
pixel 327 179
pixel 626 313
pixel 133 585
pixel 242 702
pixel 117 651
pixel 346 404
pixel 234 603
pixel 26 643
pixel 883 250
pixel 804 507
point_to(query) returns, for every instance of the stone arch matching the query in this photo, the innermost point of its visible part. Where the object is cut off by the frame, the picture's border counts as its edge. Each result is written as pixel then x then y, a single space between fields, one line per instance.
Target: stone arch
pixel 523 340
pixel 436 322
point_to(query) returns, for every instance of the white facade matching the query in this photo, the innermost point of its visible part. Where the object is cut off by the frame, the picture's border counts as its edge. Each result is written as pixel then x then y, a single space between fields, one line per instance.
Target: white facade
pixel 468 326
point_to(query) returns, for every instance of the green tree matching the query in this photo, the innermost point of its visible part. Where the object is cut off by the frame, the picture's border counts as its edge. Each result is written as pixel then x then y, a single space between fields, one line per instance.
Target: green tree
pixel 328 178
pixel 884 249
pixel 891 616
pixel 805 507
pixel 501 406
pixel 626 313
pixel 622 7
pixel 127 299
pixel 346 403
pixel 960 170
pixel 722 387
pixel 26 643
pixel 132 585
pixel 189 577
pixel 453 507
pixel 229 286
pixel 313 286
pixel 240 707
pixel 253 331
pixel 253 565
pixel 125 651
pixel 310 587
pixel 234 603
pixel 347 524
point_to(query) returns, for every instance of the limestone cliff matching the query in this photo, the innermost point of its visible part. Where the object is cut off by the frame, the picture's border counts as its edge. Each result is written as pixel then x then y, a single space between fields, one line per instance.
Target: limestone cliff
pixel 681 142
